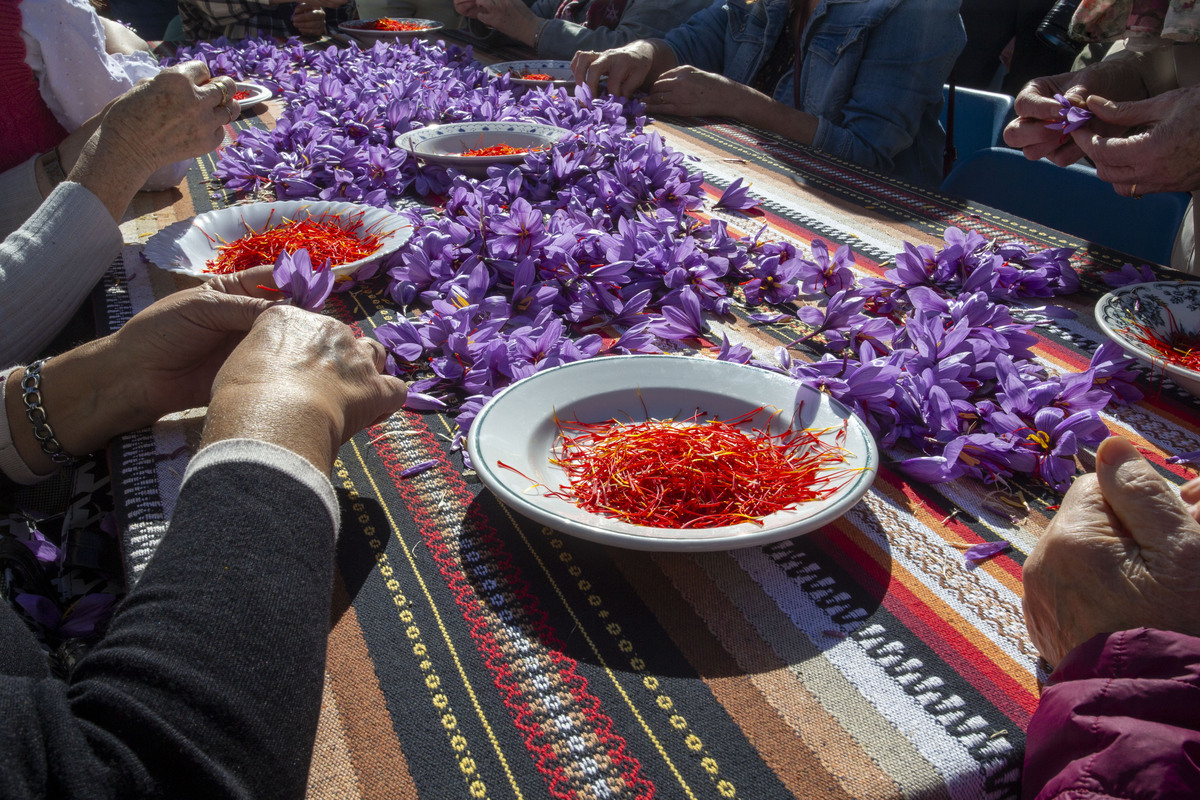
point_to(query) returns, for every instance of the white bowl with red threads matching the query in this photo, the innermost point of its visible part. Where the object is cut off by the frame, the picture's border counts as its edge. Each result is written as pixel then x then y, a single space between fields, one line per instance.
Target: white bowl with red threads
pixel 363 30
pixel 445 144
pixel 1164 307
pixel 559 72
pixel 187 246
pixel 519 428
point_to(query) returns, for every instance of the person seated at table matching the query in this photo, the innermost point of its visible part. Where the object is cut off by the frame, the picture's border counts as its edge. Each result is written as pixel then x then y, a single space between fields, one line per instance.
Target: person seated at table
pixel 860 80
pixel 200 686
pixel 557 29
pixel 240 19
pixel 1146 103
pixel 50 263
pixel 64 65
pixel 1112 599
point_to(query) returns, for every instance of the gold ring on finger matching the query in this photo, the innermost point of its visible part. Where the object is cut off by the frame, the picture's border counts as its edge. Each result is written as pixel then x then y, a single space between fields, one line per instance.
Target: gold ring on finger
pixel 224 91
pixel 1133 192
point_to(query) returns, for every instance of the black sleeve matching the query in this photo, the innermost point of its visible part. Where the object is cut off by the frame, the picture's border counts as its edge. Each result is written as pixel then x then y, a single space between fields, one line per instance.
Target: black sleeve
pixel 208 682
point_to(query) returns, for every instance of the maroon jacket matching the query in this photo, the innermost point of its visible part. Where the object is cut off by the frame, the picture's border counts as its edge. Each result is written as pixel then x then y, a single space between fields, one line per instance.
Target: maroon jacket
pixel 1120 718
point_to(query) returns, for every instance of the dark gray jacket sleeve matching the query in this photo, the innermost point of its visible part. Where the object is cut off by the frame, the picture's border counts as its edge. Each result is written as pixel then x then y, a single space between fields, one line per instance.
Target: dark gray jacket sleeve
pixel 208 682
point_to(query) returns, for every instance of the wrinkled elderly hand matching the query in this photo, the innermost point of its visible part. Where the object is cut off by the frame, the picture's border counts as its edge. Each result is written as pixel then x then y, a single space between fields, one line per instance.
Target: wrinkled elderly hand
pixel 627 68
pixel 690 92
pixel 1190 492
pixel 1036 107
pixel 1122 552
pixel 1157 150
pixel 303 381
pixel 510 17
pixel 169 354
pixel 309 19
pixel 178 114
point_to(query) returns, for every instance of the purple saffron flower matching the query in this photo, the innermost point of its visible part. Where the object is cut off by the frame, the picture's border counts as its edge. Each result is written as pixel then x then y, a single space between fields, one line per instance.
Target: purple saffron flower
pixel 298 281
pixel 681 321
pixel 1185 458
pixel 825 274
pixel 737 197
pixel 982 552
pixel 1070 116
pixel 417 469
pixel 1129 274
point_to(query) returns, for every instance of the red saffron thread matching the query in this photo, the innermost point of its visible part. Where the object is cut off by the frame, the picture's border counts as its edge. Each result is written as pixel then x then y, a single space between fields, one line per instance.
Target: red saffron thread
pixel 496 150
pixel 530 76
pixel 386 24
pixel 325 238
pixel 698 473
pixel 242 95
pixel 1178 347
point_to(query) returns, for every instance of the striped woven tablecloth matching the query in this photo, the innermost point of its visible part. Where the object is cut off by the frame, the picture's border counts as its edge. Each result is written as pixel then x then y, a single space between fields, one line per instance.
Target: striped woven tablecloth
pixel 476 654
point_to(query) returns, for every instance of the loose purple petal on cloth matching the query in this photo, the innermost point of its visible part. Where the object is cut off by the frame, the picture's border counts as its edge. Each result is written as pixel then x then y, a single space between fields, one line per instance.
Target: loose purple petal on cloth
pixel 82 618
pixel 1185 458
pixel 982 552
pixel 737 197
pixel 417 469
pixel 416 401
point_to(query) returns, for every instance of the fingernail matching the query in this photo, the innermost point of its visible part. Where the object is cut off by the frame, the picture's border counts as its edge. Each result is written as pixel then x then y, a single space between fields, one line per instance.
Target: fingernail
pixel 1116 450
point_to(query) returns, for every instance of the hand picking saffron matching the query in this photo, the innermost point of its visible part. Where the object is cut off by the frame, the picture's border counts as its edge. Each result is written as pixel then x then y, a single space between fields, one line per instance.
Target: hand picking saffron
pixel 697 473
pixel 325 238
pixel 387 24
pixel 496 150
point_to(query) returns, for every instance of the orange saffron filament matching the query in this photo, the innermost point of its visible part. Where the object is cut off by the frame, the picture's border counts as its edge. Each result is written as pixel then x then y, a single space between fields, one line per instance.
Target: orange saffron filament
pixel 386 24
pixel 698 473
pixel 1178 347
pixel 496 150
pixel 325 238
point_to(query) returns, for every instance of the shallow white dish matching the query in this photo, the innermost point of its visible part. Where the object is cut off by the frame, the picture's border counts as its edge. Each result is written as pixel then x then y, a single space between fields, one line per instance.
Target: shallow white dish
pixel 518 427
pixel 444 144
pixel 358 28
pixel 1153 305
pixel 187 245
pixel 559 71
pixel 258 94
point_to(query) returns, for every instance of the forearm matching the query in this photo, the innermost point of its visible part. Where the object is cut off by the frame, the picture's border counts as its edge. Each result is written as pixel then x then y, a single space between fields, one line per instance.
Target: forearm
pixel 120 40
pixel 110 173
pixel 85 404
pixel 757 110
pixel 48 267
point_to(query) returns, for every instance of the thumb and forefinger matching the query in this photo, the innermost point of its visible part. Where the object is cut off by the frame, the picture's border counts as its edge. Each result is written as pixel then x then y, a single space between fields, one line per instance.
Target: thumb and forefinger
pixel 1139 497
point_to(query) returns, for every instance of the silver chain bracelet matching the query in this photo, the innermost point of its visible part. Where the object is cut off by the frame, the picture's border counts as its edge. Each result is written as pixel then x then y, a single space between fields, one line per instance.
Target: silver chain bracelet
pixel 31 385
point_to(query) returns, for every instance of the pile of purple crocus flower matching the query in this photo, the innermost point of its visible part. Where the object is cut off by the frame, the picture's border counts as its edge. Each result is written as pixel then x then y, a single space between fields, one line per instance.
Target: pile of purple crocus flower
pixel 589 248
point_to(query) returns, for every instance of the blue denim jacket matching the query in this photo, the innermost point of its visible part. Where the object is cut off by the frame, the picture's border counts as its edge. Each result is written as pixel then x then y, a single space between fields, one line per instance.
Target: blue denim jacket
pixel 872 72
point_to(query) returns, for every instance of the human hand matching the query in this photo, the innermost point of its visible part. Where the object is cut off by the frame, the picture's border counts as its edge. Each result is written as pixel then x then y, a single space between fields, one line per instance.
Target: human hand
pixel 302 381
pixel 309 19
pixel 510 17
pixel 1190 493
pixel 466 8
pixel 1122 552
pixel 167 356
pixel 627 68
pixel 690 92
pixel 1157 149
pixel 1036 107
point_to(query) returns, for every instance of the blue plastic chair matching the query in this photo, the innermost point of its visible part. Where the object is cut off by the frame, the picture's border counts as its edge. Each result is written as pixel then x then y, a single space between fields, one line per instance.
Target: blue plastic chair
pixel 1072 200
pixel 979 119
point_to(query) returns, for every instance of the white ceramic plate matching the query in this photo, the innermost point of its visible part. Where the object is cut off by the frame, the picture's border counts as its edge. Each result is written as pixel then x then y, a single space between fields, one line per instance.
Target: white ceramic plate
pixel 518 427
pixel 1153 305
pixel 360 29
pixel 559 71
pixel 444 144
pixel 187 245
pixel 258 94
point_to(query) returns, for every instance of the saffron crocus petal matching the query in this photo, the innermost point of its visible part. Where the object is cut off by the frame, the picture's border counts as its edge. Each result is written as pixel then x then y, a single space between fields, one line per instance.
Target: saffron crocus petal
pixel 416 401
pixel 984 551
pixel 417 469
pixel 43 550
pixel 1185 458
pixel 82 618
pixel 737 197
pixel 42 609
